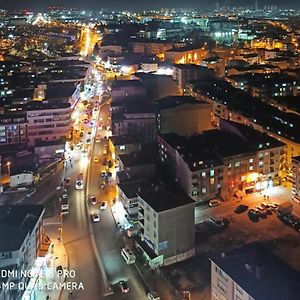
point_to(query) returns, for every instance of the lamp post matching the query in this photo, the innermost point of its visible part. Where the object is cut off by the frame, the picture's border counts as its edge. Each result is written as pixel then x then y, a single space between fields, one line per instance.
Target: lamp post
pixel 8 168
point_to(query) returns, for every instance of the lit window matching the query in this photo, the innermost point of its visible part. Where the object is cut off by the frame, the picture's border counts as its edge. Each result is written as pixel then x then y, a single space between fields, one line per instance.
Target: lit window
pixel 237 164
pixel 212 181
pixel 251 160
pixel 212 173
pixel 260 164
pixel 203 174
pixel 250 168
pixel 122 147
pixel 203 190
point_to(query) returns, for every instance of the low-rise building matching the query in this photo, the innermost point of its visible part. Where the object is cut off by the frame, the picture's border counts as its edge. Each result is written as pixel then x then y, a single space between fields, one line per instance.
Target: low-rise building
pixel 124 144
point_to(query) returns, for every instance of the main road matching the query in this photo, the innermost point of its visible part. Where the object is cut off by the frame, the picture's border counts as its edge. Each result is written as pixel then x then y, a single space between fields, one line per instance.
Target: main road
pixel 109 239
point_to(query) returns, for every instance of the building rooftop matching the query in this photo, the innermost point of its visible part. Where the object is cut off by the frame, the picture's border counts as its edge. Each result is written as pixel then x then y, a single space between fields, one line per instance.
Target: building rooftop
pixel 279 122
pixel 261 274
pixel 174 101
pixel 162 198
pixel 126 83
pixel 124 140
pixel 211 148
pixel 17 220
pixel 138 158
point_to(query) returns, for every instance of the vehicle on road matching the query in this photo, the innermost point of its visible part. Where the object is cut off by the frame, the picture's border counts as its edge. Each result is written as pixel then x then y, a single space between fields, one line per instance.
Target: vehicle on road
pixel 214 202
pixel 79 182
pixel 103 205
pixel 123 287
pixel 102 186
pixel 274 206
pixel 103 174
pixel 96 159
pixel 93 200
pixel 153 296
pixel 104 163
pixel 241 208
pixel 265 205
pixel 128 256
pixel 67 182
pixel 95 217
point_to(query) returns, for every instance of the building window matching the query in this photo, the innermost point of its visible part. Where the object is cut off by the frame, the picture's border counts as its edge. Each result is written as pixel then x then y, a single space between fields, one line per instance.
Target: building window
pixel 212 181
pixel 250 168
pixel 203 174
pixel 122 147
pixel 194 193
pixel 212 173
pixel 260 164
pixel 251 160
pixel 222 286
pixel 203 190
pixel 239 289
pixel 237 297
pixel 237 164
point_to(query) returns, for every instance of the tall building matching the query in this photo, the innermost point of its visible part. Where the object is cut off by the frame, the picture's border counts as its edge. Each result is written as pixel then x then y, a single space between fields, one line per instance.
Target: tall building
pixel 296 177
pixel 167 221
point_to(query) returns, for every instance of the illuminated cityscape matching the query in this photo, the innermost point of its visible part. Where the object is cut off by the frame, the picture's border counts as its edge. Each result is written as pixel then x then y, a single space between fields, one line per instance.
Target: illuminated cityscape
pixel 150 151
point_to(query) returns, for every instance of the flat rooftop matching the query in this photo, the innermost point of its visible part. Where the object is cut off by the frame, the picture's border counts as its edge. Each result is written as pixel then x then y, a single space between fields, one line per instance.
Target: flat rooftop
pixel 260 273
pixel 161 198
pixel 212 147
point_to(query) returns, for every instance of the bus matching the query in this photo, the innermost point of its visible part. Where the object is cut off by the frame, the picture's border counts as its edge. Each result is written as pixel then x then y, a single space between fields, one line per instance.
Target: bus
pixel 128 256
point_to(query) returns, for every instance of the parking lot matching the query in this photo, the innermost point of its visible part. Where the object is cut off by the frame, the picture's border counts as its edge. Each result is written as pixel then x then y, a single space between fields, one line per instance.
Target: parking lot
pixel 212 239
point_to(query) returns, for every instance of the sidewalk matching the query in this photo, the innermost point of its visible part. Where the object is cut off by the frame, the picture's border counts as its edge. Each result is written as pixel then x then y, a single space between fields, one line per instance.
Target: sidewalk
pixel 50 281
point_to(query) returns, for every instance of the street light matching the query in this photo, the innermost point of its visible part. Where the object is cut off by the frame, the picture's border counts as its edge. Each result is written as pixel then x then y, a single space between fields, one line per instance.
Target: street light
pixel 8 168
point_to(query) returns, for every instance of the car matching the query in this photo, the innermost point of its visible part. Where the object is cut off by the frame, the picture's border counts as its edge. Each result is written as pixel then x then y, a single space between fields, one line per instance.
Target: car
pixel 67 182
pixel 260 208
pixel 103 174
pixel 265 205
pixel 95 217
pixel 93 200
pixel 102 185
pixel 79 185
pixel 241 208
pixel 214 202
pixel 123 286
pixel 217 222
pixel 96 159
pixel 103 205
pixel 104 163
pixel 153 296
pixel 263 213
pixel 253 214
pixel 88 141
pixel 274 206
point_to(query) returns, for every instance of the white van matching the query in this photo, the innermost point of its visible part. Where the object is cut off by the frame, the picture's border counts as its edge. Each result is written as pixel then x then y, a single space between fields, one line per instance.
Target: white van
pixel 128 256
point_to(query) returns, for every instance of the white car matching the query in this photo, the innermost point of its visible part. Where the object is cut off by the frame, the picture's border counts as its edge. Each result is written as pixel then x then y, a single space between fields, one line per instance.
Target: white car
pixel 103 205
pixel 79 185
pixel 153 296
pixel 214 202
pixel 96 218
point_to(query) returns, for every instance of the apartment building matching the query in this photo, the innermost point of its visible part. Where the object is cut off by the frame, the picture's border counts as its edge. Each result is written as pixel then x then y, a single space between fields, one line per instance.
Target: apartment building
pixel 185 55
pixel 167 224
pixel 195 116
pixel 124 89
pixel 21 238
pixel 296 177
pixel 251 272
pixel 185 73
pixel 13 129
pixel 47 122
pixel 239 106
pixel 222 163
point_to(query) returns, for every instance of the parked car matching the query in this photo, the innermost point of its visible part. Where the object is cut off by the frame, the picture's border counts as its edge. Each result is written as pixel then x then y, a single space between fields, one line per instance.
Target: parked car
pixel 265 205
pixel 217 222
pixel 274 206
pixel 102 186
pixel 253 214
pixel 96 159
pixel 241 208
pixel 103 174
pixel 214 202
pixel 123 287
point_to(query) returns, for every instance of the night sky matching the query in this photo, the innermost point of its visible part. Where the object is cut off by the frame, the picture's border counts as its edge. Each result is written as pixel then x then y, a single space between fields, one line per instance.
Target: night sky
pixel 96 4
